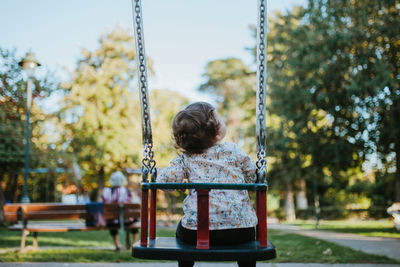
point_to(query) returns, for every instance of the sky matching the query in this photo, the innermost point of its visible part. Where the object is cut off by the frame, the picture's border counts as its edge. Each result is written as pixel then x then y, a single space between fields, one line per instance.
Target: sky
pixel 181 36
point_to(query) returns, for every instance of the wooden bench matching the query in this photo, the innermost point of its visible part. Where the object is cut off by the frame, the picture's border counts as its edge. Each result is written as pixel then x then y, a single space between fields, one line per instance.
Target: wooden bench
pixel 57 217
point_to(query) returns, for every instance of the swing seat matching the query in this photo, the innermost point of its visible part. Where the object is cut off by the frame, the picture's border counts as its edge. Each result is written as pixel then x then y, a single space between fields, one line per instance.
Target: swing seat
pixel 170 248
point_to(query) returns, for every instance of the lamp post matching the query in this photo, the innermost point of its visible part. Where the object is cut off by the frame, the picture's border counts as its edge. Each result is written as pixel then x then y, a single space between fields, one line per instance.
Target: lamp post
pixel 28 64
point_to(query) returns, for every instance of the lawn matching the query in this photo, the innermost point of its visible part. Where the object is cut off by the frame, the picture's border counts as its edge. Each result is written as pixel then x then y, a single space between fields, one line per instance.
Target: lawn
pixel 379 228
pixel 72 247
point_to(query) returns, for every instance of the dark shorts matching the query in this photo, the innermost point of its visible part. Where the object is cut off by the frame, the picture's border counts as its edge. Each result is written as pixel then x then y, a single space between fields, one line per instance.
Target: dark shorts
pixel 218 237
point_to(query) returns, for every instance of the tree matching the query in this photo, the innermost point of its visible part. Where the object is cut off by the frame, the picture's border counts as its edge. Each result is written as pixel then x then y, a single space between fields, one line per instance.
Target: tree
pixel 375 25
pixel 100 113
pixel 334 80
pixel 12 110
pixel 359 56
pixel 13 119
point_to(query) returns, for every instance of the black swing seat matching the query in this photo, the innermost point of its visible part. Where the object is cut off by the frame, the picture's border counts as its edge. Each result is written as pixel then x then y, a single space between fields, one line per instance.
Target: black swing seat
pixel 170 248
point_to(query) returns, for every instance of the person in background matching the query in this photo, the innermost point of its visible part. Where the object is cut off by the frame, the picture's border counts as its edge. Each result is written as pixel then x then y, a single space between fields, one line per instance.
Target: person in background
pixel 118 193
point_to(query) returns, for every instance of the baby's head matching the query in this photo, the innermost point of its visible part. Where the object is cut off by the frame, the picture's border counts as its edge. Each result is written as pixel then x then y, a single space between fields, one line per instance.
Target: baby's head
pixel 197 128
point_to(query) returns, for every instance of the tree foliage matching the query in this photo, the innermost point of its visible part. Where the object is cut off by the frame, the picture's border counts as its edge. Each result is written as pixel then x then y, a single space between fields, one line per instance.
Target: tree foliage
pixel 358 60
pixel 13 110
pixel 13 96
pixel 101 115
pixel 99 111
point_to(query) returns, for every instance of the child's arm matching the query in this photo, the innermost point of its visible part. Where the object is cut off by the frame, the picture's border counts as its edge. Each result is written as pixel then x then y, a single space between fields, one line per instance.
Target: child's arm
pixel 174 173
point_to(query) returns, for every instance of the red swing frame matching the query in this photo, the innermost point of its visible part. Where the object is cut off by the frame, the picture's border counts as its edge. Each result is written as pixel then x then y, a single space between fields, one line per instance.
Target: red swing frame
pixel 203 232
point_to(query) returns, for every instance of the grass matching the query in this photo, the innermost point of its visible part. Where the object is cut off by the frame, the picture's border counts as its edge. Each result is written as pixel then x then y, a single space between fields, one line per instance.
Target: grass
pixel 71 239
pixel 297 248
pixel 68 255
pixel 380 228
pixel 73 248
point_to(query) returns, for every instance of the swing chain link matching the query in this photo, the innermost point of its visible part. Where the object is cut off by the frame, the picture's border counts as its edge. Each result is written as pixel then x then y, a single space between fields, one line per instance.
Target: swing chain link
pixel 148 162
pixel 261 165
pixel 261 85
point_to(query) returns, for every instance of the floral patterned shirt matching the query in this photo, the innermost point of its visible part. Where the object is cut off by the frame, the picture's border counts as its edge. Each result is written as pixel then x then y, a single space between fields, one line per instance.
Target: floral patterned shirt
pixel 222 163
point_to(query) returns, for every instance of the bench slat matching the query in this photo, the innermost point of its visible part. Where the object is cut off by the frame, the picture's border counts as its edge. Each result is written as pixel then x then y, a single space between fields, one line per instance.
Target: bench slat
pixel 54 227
pixel 57 211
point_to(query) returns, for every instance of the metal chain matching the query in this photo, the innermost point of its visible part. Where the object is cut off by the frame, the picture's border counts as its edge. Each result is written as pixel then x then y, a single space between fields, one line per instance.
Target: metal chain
pixel 148 162
pixel 261 90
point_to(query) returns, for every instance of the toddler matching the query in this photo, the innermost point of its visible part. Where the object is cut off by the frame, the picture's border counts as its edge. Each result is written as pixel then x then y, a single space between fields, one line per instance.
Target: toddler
pixel 198 131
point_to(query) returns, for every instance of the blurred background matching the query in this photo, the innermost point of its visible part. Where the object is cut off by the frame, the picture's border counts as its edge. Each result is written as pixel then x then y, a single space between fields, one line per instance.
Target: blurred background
pixel 333 103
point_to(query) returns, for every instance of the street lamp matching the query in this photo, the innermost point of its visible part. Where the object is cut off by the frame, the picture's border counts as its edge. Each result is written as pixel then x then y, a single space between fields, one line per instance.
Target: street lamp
pixel 28 64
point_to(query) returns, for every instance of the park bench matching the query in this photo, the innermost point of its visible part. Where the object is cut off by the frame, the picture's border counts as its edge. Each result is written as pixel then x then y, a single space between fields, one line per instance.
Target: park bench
pixel 57 217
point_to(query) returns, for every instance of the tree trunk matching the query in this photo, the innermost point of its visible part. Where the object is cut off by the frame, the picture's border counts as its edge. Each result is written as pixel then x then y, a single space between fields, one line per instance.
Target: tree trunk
pixel 290 213
pixel 301 196
pixel 12 186
pixel 101 183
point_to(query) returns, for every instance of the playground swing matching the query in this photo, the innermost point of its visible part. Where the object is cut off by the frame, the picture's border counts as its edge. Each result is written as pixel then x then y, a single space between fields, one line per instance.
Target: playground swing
pixel 170 248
